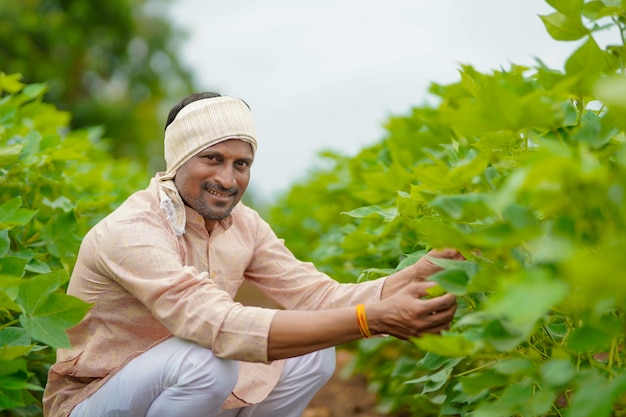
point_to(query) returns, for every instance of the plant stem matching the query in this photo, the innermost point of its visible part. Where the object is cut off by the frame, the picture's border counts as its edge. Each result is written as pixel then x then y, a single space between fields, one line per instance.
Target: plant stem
pixel 469 371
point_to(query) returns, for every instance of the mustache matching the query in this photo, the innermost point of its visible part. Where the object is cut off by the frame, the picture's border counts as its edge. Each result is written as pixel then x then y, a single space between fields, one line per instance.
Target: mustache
pixel 220 189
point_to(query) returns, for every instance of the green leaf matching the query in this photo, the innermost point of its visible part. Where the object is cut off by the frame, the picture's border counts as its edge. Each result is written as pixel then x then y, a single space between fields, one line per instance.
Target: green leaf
pixel 435 291
pixel 507 195
pixel 18 384
pixel 10 396
pixel 558 373
pixel 37 266
pixel 451 280
pixel 549 249
pixel 59 235
pixel 595 394
pixel 446 344
pixel 432 361
pixel 468 207
pixel 541 402
pixel 505 103
pixel 10 353
pixel 432 382
pixel 510 402
pixel 13 366
pixel 597 9
pixel 570 114
pixel 521 218
pixel 370 212
pixel 54 316
pixel 46 313
pixel 502 105
pixel 439 234
pixel 586 64
pixel 611 90
pixel 12 215
pixel 9 154
pixel 590 338
pixel 10 83
pixel 582 270
pixel 410 259
pixel 9 208
pixel 12 265
pixel 517 399
pixel 512 300
pixel 9 286
pixel 33 91
pixel 61 202
pixel 470 84
pixel 479 382
pixel 455 276
pixel 34 291
pixel 469 267
pixel 570 8
pixel 502 336
pixel 515 366
pixel 564 28
pixel 5 242
pixel 31 147
pixel 14 336
pixel 590 131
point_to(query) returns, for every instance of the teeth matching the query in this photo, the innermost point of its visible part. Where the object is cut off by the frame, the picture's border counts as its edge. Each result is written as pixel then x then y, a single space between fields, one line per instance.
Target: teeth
pixel 217 194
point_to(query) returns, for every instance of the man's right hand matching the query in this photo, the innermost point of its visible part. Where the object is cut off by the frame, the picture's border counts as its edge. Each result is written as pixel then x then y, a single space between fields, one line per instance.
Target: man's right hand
pixel 408 314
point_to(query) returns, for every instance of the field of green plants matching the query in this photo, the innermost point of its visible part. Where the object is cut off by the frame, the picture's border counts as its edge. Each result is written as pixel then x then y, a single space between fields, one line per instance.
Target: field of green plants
pixel 523 169
pixel 55 183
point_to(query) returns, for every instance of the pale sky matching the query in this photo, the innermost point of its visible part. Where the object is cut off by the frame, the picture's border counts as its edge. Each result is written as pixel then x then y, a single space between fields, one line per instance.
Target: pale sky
pixel 326 74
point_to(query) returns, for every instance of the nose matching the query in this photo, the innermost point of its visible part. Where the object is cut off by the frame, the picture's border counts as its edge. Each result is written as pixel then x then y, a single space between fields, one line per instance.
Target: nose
pixel 226 177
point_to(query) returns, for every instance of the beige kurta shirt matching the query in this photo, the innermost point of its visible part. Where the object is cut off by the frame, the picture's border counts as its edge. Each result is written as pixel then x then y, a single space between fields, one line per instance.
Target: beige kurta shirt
pixel 147 283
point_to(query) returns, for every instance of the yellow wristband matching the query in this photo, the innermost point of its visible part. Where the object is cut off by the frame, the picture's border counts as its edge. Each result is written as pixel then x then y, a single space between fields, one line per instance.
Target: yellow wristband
pixel 361 319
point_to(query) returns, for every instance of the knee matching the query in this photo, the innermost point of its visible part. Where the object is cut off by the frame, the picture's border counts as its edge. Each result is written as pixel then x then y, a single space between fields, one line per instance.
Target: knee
pixel 226 376
pixel 324 364
pixel 204 369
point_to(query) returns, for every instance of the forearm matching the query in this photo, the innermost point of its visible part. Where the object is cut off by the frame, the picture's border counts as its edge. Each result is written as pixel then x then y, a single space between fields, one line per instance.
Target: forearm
pixel 294 333
pixel 400 312
pixel 403 314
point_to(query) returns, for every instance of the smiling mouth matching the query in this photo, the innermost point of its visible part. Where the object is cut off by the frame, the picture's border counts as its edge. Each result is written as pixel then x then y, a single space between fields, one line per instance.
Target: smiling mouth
pixel 226 194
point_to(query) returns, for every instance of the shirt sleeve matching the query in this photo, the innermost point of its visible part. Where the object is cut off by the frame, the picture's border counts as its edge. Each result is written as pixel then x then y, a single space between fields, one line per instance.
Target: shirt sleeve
pixel 298 285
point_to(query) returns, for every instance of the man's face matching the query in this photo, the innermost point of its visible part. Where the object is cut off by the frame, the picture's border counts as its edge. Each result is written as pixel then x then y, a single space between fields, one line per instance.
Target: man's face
pixel 213 181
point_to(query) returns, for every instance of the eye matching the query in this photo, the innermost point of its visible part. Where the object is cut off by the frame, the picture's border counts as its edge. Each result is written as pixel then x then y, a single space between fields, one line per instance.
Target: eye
pixel 211 158
pixel 242 164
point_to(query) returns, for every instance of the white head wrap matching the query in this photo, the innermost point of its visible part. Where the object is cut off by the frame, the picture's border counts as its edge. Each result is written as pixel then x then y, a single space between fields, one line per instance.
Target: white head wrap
pixel 197 126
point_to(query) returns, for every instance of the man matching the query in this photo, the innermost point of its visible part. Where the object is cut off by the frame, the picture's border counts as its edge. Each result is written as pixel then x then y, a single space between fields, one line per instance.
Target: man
pixel 164 336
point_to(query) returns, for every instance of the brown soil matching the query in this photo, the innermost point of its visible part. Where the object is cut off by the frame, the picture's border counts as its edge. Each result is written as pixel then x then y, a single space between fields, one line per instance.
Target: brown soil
pixel 343 397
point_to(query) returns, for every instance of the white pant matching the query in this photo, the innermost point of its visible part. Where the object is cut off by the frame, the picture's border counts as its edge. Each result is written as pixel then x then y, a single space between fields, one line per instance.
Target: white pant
pixel 178 378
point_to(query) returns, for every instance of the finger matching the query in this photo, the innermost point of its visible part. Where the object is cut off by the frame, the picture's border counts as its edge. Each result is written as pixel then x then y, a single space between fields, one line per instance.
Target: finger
pixel 440 303
pixel 437 329
pixel 441 316
pixel 431 326
pixel 438 319
pixel 444 253
pixel 426 266
pixel 419 288
pixel 447 253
